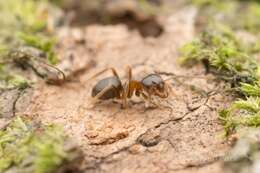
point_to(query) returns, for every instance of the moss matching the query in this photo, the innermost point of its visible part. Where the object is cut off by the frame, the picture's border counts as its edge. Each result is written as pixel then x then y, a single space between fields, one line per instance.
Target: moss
pixel 251 89
pixel 229 59
pixel 16 81
pixel 223 52
pixel 24 23
pixel 234 61
pixel 215 5
pixel 148 7
pixel 43 43
pixel 234 13
pixel 41 148
pixel 242 113
pixel 8 80
pixel 21 15
pixel 250 19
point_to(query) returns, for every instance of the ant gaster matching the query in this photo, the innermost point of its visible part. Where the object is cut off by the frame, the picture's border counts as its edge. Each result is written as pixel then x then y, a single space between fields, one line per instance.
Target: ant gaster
pixel 112 87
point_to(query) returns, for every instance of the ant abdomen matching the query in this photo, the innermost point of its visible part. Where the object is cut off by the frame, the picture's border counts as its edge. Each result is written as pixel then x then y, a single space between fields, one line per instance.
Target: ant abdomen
pixel 110 87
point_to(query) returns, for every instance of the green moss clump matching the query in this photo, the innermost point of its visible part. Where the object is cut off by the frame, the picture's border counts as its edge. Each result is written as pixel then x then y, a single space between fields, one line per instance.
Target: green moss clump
pixel 149 8
pixel 251 89
pixel 229 59
pixel 43 43
pixel 25 23
pixel 242 113
pixel 8 81
pixel 222 54
pixel 30 147
pixel 21 16
pixel 214 5
pixel 242 15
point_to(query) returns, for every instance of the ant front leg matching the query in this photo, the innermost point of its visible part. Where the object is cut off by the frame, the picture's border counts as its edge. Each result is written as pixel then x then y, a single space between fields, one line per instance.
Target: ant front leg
pixel 148 101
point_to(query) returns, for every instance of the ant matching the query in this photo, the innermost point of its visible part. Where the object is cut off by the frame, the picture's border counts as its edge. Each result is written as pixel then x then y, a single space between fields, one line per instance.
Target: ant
pixel 112 87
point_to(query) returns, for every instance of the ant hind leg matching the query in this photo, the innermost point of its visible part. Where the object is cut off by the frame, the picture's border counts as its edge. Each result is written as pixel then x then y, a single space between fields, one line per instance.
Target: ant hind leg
pixel 105 70
pixel 96 99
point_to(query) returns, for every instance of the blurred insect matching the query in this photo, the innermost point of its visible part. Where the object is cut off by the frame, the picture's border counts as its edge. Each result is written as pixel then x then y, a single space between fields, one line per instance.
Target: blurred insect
pixel 112 87
pixel 28 57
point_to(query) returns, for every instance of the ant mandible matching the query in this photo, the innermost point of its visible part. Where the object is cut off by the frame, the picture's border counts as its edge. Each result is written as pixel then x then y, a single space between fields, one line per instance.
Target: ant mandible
pixel 112 87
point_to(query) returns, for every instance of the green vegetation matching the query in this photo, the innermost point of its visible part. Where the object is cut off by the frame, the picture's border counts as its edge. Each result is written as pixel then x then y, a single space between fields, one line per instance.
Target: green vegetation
pixel 27 16
pixel 215 5
pixel 223 53
pixel 42 43
pixel 231 60
pixel 24 23
pixel 236 61
pixel 234 13
pixel 243 113
pixel 32 147
pixel 9 81
pixel 251 18
pixel 26 39
pixel 148 8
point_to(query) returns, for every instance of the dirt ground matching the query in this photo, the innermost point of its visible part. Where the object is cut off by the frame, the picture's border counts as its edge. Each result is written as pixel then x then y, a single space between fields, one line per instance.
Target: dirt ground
pixel 183 135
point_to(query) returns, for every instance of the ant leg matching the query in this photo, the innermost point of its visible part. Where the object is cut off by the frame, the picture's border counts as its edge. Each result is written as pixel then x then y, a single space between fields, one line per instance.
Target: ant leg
pixel 127 87
pixel 148 100
pixel 169 89
pixel 129 72
pixel 105 70
pixel 124 99
pixel 99 95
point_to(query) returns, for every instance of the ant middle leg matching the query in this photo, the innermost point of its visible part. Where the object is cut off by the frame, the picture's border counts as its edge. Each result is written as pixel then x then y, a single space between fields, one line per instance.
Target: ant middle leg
pixel 127 88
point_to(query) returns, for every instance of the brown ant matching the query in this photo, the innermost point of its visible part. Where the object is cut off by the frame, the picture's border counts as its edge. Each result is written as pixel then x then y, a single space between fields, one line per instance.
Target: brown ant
pixel 112 87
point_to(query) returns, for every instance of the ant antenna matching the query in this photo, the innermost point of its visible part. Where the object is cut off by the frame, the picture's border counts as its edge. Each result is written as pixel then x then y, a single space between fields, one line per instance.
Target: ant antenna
pixel 174 76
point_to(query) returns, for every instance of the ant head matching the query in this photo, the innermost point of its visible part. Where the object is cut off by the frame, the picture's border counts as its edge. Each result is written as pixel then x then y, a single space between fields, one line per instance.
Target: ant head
pixel 155 85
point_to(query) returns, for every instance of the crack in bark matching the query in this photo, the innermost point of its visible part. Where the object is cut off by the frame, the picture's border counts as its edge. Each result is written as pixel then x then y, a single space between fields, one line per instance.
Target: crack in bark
pixel 170 142
pixel 20 93
pixel 103 160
